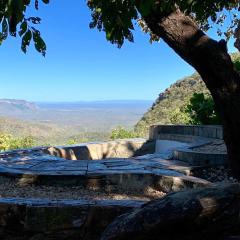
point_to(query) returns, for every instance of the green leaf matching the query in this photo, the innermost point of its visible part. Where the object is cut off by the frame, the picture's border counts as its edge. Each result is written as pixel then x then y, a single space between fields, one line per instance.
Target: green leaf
pixel 1 38
pixel 4 29
pixel 145 7
pixel 26 40
pixel 39 44
pixel 23 28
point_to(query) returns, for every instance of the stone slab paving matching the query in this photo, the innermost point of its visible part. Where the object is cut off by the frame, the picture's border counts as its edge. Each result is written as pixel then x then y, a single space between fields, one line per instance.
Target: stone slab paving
pixel 137 173
pixel 65 167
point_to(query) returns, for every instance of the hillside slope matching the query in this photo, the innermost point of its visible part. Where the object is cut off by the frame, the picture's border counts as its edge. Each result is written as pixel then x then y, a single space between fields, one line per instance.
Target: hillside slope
pixel 172 98
pixel 42 133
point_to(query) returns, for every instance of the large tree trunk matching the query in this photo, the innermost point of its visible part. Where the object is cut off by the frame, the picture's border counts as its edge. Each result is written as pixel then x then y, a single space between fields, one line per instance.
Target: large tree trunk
pixel 213 63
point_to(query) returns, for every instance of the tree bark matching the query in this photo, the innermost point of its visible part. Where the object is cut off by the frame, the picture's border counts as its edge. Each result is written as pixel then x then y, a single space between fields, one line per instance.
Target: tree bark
pixel 213 63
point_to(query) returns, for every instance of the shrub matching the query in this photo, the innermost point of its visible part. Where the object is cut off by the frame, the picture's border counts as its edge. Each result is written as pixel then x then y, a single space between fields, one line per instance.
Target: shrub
pixel 71 141
pixel 179 116
pixel 8 142
pixel 121 133
pixel 237 65
pixel 202 110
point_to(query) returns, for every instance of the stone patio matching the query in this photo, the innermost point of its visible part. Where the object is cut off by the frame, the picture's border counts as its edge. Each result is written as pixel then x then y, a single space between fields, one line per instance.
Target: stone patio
pixel 164 163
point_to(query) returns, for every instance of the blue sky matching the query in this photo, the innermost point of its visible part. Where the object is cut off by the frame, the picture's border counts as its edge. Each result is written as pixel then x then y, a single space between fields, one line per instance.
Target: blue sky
pixel 81 65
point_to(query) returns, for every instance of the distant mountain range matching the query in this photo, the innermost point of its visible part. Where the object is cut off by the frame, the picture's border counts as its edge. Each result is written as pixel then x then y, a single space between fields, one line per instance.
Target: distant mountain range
pixel 9 105
pixel 106 104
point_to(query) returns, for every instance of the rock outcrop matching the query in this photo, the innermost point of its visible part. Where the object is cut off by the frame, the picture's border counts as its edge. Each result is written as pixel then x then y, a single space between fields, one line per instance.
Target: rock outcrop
pixel 209 213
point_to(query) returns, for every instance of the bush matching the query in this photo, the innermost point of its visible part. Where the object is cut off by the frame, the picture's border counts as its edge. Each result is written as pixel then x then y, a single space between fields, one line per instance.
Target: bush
pixel 71 141
pixel 202 110
pixel 236 61
pixel 121 133
pixel 8 142
pixel 237 65
pixel 179 116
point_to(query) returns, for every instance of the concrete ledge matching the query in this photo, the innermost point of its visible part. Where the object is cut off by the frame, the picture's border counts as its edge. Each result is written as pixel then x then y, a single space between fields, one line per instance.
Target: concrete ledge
pixel 200 158
pixel 191 136
pixel 206 131
pixel 190 139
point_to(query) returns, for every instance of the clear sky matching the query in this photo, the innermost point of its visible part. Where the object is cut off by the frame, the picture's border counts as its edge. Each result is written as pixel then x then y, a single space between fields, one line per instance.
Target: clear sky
pixel 81 65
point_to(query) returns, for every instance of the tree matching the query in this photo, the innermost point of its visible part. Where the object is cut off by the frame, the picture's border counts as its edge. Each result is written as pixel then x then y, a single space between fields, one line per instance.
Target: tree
pixel 201 109
pixel 181 24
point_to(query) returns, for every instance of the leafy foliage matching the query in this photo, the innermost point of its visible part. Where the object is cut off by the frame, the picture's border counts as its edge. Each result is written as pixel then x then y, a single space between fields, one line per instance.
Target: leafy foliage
pixel 118 17
pixel 236 61
pixel 115 18
pixel 179 116
pixel 202 110
pixel 122 133
pixel 237 65
pixel 199 109
pixel 7 142
pixel 15 22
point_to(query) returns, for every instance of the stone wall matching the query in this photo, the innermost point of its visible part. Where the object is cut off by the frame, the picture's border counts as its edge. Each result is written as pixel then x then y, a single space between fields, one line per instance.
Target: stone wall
pixel 180 141
pixel 205 131
pixel 102 150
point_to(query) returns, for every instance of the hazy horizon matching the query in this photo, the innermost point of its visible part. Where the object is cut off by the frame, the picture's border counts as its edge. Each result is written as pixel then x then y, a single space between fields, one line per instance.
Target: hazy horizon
pixel 83 101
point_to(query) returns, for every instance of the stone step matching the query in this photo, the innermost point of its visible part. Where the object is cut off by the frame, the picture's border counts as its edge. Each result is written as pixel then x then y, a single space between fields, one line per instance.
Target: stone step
pixel 38 218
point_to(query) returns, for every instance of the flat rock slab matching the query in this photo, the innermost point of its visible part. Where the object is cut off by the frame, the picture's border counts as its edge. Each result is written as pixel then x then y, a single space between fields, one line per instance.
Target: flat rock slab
pixel 130 173
pixel 27 218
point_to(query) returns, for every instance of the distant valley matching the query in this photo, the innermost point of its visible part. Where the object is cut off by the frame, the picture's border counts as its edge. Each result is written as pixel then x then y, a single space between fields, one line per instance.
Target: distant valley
pixel 56 123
